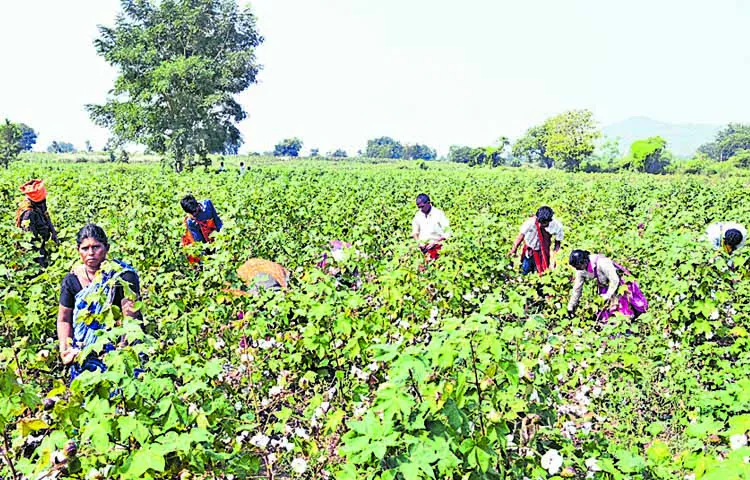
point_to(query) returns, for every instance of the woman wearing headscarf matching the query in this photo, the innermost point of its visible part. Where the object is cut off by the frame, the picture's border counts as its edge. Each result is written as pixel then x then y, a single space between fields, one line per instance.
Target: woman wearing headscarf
pixel 201 221
pixel 32 216
pixel 89 288
pixel 536 233
pixel 608 277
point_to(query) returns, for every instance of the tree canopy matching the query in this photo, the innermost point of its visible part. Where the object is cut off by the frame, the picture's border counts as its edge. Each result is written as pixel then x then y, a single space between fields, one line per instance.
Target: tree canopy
pixel 728 142
pixel 289 147
pixel 419 152
pixel 28 137
pixel 60 147
pixel 384 147
pixel 11 135
pixel 180 64
pixel 564 140
pixel 647 155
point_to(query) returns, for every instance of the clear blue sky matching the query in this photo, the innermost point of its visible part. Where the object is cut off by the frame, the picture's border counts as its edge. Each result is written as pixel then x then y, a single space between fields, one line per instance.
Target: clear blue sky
pixel 337 72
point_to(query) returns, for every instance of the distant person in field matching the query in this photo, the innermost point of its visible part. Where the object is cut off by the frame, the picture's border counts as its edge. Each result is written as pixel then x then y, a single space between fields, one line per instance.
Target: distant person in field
pixel 536 234
pixel 32 216
pixel 201 221
pixel 608 276
pixel 242 168
pixel 430 227
pixel 81 295
pixel 727 236
pixel 222 168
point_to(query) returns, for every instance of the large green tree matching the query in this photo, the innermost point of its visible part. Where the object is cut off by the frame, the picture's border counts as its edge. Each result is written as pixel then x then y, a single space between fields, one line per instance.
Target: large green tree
pixel 532 147
pixel 180 64
pixel 732 139
pixel 564 140
pixel 571 138
pixel 11 136
pixel 647 155
pixel 289 147
pixel 419 152
pixel 384 147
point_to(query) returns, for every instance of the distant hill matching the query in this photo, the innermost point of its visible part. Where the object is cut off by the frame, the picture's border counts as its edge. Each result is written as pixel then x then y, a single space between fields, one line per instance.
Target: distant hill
pixel 682 138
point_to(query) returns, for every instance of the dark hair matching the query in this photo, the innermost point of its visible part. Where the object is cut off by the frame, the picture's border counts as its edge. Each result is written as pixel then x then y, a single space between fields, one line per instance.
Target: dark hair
pixel 732 237
pixel 94 231
pixel 189 204
pixel 579 258
pixel 544 214
pixel 423 197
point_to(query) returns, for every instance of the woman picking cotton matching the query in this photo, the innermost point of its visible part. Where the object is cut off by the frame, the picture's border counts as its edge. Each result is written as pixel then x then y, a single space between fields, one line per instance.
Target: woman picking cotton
pixel 608 277
pixel 536 234
pixel 88 289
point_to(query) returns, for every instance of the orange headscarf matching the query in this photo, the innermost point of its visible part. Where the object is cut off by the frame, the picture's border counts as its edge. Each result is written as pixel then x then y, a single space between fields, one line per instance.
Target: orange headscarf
pixel 34 190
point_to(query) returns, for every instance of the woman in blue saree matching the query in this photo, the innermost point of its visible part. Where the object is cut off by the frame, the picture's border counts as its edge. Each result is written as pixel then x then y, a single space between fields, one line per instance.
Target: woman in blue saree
pixel 89 288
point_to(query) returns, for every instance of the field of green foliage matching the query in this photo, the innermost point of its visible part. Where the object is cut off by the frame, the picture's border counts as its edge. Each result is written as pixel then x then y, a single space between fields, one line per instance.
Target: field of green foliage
pixel 461 370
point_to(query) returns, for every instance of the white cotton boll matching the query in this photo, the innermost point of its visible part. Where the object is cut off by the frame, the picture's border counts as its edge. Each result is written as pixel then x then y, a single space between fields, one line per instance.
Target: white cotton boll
pixel 714 315
pixel 738 441
pixel 275 390
pixel 192 409
pixel 373 367
pixel 552 461
pixel 543 367
pixel 299 465
pixel 238 406
pixel 521 369
pixel 301 433
pixel 593 465
pixel 246 358
pixel 285 444
pixel 259 440
pixel 534 397
pixel 338 254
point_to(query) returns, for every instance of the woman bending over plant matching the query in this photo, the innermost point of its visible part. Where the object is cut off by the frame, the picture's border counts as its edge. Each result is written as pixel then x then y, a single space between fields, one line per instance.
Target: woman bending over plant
pixel 86 291
pixel 727 236
pixel 201 221
pixel 630 302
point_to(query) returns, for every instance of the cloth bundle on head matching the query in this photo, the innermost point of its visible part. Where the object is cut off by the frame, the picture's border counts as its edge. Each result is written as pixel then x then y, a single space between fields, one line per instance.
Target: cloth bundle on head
pixel 34 190
pixel 260 267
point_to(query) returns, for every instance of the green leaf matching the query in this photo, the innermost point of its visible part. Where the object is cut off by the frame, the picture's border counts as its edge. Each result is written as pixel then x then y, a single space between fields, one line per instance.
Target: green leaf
pixel 144 460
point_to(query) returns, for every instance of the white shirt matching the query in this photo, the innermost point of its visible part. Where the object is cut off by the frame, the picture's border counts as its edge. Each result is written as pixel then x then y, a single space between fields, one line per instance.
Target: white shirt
pixel 715 233
pixel 431 227
pixel 531 237
pixel 605 273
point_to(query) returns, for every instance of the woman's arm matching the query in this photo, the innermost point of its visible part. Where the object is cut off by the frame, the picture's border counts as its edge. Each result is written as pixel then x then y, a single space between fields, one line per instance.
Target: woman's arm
pixel 575 295
pixel 215 216
pixel 516 244
pixel 65 334
pixel 606 267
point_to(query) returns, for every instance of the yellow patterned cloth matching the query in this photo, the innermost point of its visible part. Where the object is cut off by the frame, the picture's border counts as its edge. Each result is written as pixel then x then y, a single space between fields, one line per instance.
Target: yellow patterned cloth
pixel 257 268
